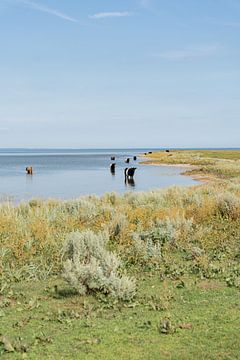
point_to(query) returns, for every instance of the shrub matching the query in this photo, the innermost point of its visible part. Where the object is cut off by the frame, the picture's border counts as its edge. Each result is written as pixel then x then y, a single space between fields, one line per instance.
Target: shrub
pixel 117 224
pixel 90 267
pixel 147 246
pixel 228 205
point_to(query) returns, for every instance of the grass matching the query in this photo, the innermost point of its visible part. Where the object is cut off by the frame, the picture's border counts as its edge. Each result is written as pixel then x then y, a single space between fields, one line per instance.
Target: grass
pixel 181 244
pixel 204 320
pixel 195 155
pixel 220 154
pixel 209 164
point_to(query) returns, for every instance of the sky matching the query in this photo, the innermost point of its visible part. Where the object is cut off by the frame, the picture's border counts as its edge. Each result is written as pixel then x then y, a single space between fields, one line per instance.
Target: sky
pixel 119 73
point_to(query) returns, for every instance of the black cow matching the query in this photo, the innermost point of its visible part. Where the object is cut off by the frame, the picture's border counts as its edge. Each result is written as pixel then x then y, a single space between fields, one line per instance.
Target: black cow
pixel 129 172
pixel 112 168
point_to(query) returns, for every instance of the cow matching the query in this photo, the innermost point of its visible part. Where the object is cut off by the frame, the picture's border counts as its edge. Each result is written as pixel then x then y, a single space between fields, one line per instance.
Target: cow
pixel 129 172
pixel 112 168
pixel 29 170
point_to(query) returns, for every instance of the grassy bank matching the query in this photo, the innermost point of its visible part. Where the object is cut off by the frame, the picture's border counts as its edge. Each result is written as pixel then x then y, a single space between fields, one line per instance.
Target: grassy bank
pixel 217 164
pixel 182 246
pixel 203 317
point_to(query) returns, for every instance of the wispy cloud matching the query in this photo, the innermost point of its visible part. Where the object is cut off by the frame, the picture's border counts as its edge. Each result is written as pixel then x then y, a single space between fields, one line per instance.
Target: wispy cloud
pixel 115 14
pixel 42 8
pixel 187 54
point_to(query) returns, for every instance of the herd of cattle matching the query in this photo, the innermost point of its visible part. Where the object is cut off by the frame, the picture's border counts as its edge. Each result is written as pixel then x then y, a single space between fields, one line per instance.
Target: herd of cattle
pixel 128 171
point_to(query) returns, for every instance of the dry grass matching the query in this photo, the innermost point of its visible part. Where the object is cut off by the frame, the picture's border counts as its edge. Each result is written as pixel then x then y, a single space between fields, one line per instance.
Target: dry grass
pixel 32 235
pixel 220 164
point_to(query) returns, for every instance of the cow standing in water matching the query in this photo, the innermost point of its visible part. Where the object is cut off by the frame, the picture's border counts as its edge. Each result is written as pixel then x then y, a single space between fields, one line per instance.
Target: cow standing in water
pixel 112 168
pixel 29 170
pixel 129 172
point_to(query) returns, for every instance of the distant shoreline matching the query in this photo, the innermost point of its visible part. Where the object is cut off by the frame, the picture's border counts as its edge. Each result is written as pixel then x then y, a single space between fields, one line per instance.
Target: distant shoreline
pixel 201 165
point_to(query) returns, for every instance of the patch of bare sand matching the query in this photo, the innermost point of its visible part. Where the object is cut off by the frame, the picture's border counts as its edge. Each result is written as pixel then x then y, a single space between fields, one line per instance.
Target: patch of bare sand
pixel 169 165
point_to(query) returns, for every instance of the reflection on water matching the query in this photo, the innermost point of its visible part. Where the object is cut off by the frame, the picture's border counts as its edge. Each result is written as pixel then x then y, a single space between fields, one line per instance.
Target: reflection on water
pixel 72 173
pixel 130 182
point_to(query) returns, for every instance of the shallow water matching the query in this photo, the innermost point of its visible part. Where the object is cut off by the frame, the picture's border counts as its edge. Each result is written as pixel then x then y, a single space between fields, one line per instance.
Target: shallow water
pixel 68 174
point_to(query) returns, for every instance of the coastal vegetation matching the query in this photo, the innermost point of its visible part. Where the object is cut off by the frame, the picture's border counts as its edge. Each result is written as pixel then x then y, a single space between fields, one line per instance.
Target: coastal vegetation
pixel 221 164
pixel 153 275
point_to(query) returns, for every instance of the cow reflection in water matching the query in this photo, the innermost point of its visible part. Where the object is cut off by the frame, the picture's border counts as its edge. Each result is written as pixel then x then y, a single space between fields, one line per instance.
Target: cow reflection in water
pixel 130 182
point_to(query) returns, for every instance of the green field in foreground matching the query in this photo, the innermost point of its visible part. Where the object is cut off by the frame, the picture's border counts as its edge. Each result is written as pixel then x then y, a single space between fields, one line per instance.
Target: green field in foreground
pixel 181 246
pixel 203 320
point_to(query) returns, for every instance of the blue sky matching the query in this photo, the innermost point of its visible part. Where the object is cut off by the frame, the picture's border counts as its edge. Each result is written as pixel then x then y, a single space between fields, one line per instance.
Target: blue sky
pixel 111 73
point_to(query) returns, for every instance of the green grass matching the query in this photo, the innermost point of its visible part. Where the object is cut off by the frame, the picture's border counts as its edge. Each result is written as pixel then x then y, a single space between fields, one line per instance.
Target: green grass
pixel 219 154
pixel 62 325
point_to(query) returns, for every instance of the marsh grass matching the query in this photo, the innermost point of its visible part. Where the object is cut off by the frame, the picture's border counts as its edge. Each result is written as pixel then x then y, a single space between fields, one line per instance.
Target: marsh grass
pixel 223 164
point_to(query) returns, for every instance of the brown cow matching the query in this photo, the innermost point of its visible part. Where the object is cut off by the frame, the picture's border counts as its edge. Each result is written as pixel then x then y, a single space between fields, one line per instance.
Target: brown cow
pixel 29 170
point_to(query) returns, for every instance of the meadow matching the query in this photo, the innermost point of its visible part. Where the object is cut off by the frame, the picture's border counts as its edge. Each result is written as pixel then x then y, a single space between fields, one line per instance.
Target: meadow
pixel 153 275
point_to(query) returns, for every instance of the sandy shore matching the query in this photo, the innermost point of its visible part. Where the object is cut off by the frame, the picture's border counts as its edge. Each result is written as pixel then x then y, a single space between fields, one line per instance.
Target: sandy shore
pixel 170 165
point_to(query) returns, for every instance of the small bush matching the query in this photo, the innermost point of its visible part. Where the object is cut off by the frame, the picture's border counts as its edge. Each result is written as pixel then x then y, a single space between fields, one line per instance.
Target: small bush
pixel 90 267
pixel 149 247
pixel 117 225
pixel 228 205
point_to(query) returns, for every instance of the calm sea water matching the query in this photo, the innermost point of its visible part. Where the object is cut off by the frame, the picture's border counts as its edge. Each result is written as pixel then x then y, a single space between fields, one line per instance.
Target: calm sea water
pixel 68 174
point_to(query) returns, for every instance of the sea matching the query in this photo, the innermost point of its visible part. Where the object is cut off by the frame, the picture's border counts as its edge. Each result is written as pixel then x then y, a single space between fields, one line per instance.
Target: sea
pixel 71 173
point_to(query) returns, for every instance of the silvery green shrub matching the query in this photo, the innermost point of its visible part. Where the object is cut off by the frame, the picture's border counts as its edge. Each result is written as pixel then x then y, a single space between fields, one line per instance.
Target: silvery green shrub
pixel 90 267
pixel 117 224
pixel 147 245
pixel 228 204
